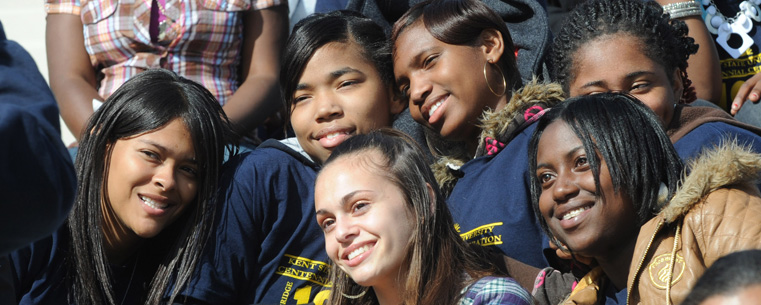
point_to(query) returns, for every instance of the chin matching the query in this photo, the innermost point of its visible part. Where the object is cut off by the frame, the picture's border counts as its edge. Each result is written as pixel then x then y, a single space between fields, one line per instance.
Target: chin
pixel 148 232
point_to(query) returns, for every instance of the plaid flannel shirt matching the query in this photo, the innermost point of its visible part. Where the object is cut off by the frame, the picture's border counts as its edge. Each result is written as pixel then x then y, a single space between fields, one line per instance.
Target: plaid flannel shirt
pixel 202 43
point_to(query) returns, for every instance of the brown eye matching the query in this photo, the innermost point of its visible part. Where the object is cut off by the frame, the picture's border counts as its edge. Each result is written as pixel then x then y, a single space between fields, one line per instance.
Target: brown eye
pixel 582 161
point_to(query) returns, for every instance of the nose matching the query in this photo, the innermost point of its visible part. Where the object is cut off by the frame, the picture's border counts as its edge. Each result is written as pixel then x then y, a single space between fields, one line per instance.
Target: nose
pixel 346 230
pixel 327 107
pixel 564 188
pixel 164 178
pixel 420 89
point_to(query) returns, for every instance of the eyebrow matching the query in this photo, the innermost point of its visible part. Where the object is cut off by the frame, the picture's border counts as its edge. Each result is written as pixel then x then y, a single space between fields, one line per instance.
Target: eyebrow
pixel 344 199
pixel 163 149
pixel 568 155
pixel 600 83
pixel 416 59
pixel 333 75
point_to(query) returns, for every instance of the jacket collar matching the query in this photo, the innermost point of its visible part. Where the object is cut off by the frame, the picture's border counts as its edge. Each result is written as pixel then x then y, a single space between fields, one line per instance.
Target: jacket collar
pixel 728 164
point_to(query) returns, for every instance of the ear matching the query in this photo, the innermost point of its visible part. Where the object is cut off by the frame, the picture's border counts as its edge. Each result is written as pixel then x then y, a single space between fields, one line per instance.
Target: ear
pixel 397 103
pixel 432 194
pixel 492 44
pixel 677 85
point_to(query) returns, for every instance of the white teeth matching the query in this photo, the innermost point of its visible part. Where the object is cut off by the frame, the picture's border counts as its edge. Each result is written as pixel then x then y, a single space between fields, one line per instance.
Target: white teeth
pixel 434 107
pixel 152 203
pixel 358 251
pixel 574 213
pixel 333 135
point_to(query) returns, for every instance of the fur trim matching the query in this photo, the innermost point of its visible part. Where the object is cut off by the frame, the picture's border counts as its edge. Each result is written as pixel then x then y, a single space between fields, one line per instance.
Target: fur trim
pixel 495 124
pixel 446 172
pixel 724 165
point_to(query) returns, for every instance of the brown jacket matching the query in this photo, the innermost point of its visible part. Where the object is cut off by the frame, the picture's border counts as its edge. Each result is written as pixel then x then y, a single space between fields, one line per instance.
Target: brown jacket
pixel 716 211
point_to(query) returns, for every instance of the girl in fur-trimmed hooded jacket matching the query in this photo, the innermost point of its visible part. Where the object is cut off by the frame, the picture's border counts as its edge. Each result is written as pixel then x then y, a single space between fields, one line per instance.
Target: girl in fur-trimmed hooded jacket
pixel 454 61
pixel 606 185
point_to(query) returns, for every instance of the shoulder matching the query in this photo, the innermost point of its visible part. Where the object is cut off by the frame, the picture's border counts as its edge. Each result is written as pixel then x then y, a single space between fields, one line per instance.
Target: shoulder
pixel 495 290
pixel 267 161
pixel 731 210
pixel 38 270
pixel 712 134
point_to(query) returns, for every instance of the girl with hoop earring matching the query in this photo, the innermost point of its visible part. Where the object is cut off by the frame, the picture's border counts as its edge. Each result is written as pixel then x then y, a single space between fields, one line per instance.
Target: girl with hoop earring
pixel 454 62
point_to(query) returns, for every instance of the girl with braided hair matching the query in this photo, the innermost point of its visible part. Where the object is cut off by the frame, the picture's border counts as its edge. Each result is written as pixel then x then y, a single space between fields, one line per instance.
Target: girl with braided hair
pixel 632 47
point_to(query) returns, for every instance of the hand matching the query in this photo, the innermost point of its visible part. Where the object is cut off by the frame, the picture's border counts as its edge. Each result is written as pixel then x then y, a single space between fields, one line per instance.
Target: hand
pixel 749 91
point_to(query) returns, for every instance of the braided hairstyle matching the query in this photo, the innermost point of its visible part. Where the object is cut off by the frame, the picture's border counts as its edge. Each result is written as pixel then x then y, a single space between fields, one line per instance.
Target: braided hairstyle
pixel 663 40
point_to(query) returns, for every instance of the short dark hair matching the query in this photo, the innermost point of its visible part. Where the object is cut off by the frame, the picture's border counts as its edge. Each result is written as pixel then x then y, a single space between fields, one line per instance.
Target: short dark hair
pixel 662 40
pixel 146 102
pixel 628 136
pixel 727 276
pixel 317 30
pixel 460 22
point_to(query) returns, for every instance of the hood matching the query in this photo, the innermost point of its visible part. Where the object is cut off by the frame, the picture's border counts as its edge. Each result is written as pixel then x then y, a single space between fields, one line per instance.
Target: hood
pixel 726 165
pixel 292 147
pixel 503 125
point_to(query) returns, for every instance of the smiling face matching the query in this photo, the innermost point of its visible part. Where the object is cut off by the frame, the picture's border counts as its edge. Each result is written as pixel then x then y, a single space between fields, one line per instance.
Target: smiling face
pixel 445 83
pixel 617 62
pixel 152 179
pixel 588 223
pixel 366 221
pixel 339 94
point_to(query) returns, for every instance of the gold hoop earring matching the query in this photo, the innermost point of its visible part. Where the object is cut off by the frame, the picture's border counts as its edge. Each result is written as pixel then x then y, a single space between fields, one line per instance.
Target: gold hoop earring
pixel 504 81
pixel 354 297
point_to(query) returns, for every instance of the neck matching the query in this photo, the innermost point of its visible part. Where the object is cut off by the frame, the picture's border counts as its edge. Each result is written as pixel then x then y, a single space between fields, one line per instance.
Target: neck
pixel 119 242
pixel 387 297
pixel 389 293
pixel 472 143
pixel 616 263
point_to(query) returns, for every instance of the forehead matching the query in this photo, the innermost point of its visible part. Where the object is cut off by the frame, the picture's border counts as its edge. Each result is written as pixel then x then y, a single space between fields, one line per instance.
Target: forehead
pixel 557 137
pixel 335 56
pixel 611 55
pixel 411 42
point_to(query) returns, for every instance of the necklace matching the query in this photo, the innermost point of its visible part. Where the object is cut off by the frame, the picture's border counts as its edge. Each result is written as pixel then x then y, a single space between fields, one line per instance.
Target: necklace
pixel 740 24
pixel 131 277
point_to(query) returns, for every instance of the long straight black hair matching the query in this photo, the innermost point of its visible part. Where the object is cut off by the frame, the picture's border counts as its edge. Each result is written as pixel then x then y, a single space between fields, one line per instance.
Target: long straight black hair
pixel 144 103
pixel 629 138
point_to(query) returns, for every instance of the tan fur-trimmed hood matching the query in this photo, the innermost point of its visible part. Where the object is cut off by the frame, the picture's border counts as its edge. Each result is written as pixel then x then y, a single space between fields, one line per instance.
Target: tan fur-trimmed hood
pixel 727 164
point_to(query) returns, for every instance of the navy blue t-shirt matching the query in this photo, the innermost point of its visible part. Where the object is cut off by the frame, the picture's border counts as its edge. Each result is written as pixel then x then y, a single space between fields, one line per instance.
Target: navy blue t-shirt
pixel 40 276
pixel 614 296
pixel 267 247
pixel 491 203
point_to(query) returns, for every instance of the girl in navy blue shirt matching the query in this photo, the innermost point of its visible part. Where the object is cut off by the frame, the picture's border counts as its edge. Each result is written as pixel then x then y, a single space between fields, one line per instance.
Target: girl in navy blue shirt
pixel 148 166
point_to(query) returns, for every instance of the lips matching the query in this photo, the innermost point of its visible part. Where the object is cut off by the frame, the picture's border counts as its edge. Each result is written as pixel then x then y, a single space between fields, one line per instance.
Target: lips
pixel 432 109
pixel 357 253
pixel 155 205
pixel 571 215
pixel 333 136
